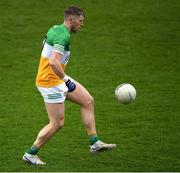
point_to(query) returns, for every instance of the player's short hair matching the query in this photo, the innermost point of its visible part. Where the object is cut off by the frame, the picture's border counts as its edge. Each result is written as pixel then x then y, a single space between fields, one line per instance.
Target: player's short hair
pixel 73 10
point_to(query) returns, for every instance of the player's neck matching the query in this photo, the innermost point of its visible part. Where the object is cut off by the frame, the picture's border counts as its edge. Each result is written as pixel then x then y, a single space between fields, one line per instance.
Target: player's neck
pixel 67 25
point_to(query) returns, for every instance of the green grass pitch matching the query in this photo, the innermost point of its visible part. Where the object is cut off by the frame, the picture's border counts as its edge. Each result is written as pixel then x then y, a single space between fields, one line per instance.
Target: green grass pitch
pixel 133 41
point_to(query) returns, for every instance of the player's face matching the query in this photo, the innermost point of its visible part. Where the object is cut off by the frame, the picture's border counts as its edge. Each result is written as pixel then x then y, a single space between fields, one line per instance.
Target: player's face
pixel 77 23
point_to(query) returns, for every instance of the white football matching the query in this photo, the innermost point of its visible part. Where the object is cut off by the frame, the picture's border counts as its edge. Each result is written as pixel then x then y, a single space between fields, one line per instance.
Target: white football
pixel 125 93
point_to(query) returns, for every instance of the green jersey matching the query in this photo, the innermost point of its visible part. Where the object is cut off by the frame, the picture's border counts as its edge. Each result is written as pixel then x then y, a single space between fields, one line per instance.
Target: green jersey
pixel 58 40
pixel 59 37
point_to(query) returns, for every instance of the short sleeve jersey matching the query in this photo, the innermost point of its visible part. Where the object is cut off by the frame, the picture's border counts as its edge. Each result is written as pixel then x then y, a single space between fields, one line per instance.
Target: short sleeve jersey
pixel 57 39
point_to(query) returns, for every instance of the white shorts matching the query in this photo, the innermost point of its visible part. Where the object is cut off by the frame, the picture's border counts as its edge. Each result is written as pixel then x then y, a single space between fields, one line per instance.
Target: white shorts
pixel 56 94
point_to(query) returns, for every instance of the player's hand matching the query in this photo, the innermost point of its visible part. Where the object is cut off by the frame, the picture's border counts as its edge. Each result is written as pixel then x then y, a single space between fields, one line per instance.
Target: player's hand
pixel 70 84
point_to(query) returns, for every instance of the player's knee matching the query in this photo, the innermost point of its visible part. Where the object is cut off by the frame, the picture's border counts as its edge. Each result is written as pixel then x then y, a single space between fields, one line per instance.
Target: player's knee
pixel 90 101
pixel 58 124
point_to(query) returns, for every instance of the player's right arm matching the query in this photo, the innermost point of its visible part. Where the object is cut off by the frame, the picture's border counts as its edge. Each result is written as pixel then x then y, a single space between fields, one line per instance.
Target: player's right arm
pixel 56 65
pixel 58 70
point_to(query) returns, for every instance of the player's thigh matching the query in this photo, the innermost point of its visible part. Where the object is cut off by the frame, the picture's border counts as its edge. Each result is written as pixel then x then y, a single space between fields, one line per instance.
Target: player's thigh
pixel 80 95
pixel 54 98
pixel 55 111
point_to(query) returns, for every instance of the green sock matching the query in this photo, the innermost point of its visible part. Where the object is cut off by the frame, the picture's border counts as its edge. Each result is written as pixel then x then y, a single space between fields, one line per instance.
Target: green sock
pixel 33 150
pixel 93 139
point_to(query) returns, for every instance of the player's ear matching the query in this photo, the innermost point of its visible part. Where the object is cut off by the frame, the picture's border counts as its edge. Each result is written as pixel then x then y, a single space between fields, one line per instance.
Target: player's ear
pixel 71 19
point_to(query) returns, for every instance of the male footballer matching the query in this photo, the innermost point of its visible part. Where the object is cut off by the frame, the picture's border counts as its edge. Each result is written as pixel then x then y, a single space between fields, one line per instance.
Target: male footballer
pixel 55 86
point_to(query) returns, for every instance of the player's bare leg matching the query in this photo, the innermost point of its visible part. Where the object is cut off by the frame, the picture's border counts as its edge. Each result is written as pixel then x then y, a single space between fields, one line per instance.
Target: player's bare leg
pixel 56 121
pixel 85 100
pixel 82 97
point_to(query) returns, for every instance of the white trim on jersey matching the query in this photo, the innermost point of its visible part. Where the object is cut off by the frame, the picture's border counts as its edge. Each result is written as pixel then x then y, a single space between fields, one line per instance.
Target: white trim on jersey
pixel 46 52
pixel 54 50
pixel 47 49
pixel 58 47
